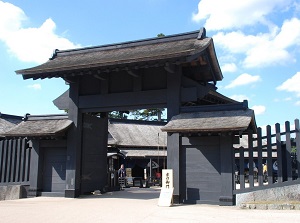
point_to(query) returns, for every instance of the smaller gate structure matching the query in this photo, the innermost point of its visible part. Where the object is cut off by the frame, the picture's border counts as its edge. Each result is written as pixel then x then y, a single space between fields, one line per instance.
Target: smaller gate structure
pixel 204 136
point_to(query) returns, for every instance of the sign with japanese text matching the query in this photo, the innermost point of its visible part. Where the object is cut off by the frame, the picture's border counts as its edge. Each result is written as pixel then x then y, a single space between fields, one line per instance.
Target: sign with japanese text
pixel 167 178
pixel 166 193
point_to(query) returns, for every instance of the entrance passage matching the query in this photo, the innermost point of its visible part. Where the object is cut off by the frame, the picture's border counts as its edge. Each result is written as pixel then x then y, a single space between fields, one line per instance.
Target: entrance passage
pixel 203 178
pixel 54 174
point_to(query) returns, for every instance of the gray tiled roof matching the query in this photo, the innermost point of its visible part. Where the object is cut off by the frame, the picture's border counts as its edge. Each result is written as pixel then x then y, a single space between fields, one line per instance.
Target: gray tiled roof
pixel 181 47
pixel 213 121
pixel 8 121
pixel 142 152
pixel 42 126
pixel 137 135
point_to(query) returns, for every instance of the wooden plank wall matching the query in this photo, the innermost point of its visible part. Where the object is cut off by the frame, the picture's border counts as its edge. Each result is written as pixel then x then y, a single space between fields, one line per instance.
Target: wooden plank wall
pixel 14 161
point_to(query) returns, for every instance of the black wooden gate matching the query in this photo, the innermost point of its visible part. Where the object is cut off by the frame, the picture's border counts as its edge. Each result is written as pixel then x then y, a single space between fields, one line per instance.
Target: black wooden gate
pixel 203 170
pixel 54 170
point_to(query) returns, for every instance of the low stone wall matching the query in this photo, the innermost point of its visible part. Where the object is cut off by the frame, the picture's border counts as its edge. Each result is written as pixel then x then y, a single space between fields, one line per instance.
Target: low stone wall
pixel 12 192
pixel 287 197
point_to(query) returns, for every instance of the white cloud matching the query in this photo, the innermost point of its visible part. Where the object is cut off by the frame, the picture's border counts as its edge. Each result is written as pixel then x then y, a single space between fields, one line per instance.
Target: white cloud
pixel 34 44
pixel 35 86
pixel 243 79
pixel 297 103
pixel 239 97
pixel 221 15
pixel 263 49
pixel 291 85
pixel 259 109
pixel 229 67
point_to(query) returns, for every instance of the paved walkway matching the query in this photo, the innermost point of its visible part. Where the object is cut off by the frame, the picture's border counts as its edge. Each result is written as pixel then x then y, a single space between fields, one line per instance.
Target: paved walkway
pixel 138 205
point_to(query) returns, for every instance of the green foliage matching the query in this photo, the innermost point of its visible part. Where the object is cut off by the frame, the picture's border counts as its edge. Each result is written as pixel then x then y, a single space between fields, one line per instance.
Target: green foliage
pixel 294 149
pixel 160 35
pixel 150 114
pixel 118 114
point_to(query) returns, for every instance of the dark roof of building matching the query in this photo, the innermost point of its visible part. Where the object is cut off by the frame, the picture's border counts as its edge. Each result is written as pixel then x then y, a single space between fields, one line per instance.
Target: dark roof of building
pixel 40 126
pixel 8 121
pixel 212 121
pixel 180 48
pixel 137 134
pixel 142 152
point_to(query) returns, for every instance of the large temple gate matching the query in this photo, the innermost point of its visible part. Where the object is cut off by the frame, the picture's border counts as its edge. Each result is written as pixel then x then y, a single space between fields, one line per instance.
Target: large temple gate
pixel 176 72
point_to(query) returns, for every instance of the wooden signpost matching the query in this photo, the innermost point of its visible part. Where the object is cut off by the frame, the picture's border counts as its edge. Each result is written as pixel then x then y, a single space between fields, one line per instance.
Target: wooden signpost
pixel 166 193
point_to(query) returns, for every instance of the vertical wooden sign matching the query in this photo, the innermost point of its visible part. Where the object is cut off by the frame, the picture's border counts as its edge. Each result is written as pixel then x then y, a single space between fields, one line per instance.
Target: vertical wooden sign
pixel 166 193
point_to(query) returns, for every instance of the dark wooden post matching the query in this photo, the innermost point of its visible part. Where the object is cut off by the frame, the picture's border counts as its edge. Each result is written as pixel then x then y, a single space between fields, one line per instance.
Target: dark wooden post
pixel 35 169
pixel 173 140
pixel 73 163
pixel 281 167
pixel 259 157
pixel 250 160
pixel 297 131
pixel 226 153
pixel 173 162
pixel 288 151
pixel 269 155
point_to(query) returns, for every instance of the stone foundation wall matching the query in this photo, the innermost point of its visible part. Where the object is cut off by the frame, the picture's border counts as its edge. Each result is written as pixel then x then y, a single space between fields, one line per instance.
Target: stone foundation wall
pixel 12 192
pixel 273 196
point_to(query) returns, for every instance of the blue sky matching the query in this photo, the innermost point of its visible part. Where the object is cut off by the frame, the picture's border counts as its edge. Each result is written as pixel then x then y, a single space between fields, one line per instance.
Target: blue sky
pixel 257 43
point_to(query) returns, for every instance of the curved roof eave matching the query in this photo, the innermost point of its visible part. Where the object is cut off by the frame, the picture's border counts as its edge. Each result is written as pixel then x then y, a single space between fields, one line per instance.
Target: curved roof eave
pixel 176 48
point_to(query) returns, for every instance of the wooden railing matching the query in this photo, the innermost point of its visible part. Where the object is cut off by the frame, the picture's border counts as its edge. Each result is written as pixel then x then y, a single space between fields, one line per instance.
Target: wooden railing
pixel 268 161
pixel 14 161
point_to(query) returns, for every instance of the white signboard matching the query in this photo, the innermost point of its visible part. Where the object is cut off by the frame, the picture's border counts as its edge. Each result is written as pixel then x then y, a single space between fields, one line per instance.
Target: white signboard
pixel 166 193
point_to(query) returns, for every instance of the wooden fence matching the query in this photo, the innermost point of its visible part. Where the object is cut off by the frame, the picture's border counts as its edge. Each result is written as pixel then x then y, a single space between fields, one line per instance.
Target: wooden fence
pixel 14 161
pixel 268 161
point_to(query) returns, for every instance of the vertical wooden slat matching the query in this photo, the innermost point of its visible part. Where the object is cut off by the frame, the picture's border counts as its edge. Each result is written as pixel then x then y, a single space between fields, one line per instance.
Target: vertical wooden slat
pixel 242 171
pixel 297 130
pixel 22 168
pixel 4 161
pixel 250 155
pixel 27 162
pixel 279 153
pixel 18 160
pixel 259 157
pixel 8 164
pixel 269 155
pixel 288 151
pixel 234 168
pixel 1 158
pixel 13 161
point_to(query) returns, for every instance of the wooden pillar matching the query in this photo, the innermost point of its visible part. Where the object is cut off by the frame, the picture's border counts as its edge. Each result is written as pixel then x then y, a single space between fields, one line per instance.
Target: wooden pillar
pixel 173 162
pixel 35 169
pixel 173 92
pixel 173 140
pixel 226 153
pixel 73 163
pixel 94 153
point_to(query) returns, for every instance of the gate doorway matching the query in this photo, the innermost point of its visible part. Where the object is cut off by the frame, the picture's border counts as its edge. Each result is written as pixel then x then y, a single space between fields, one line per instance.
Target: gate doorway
pixel 202 170
pixel 54 174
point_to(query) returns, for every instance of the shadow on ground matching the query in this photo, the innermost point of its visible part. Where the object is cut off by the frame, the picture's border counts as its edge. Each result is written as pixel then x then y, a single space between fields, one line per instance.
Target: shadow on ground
pixel 128 193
